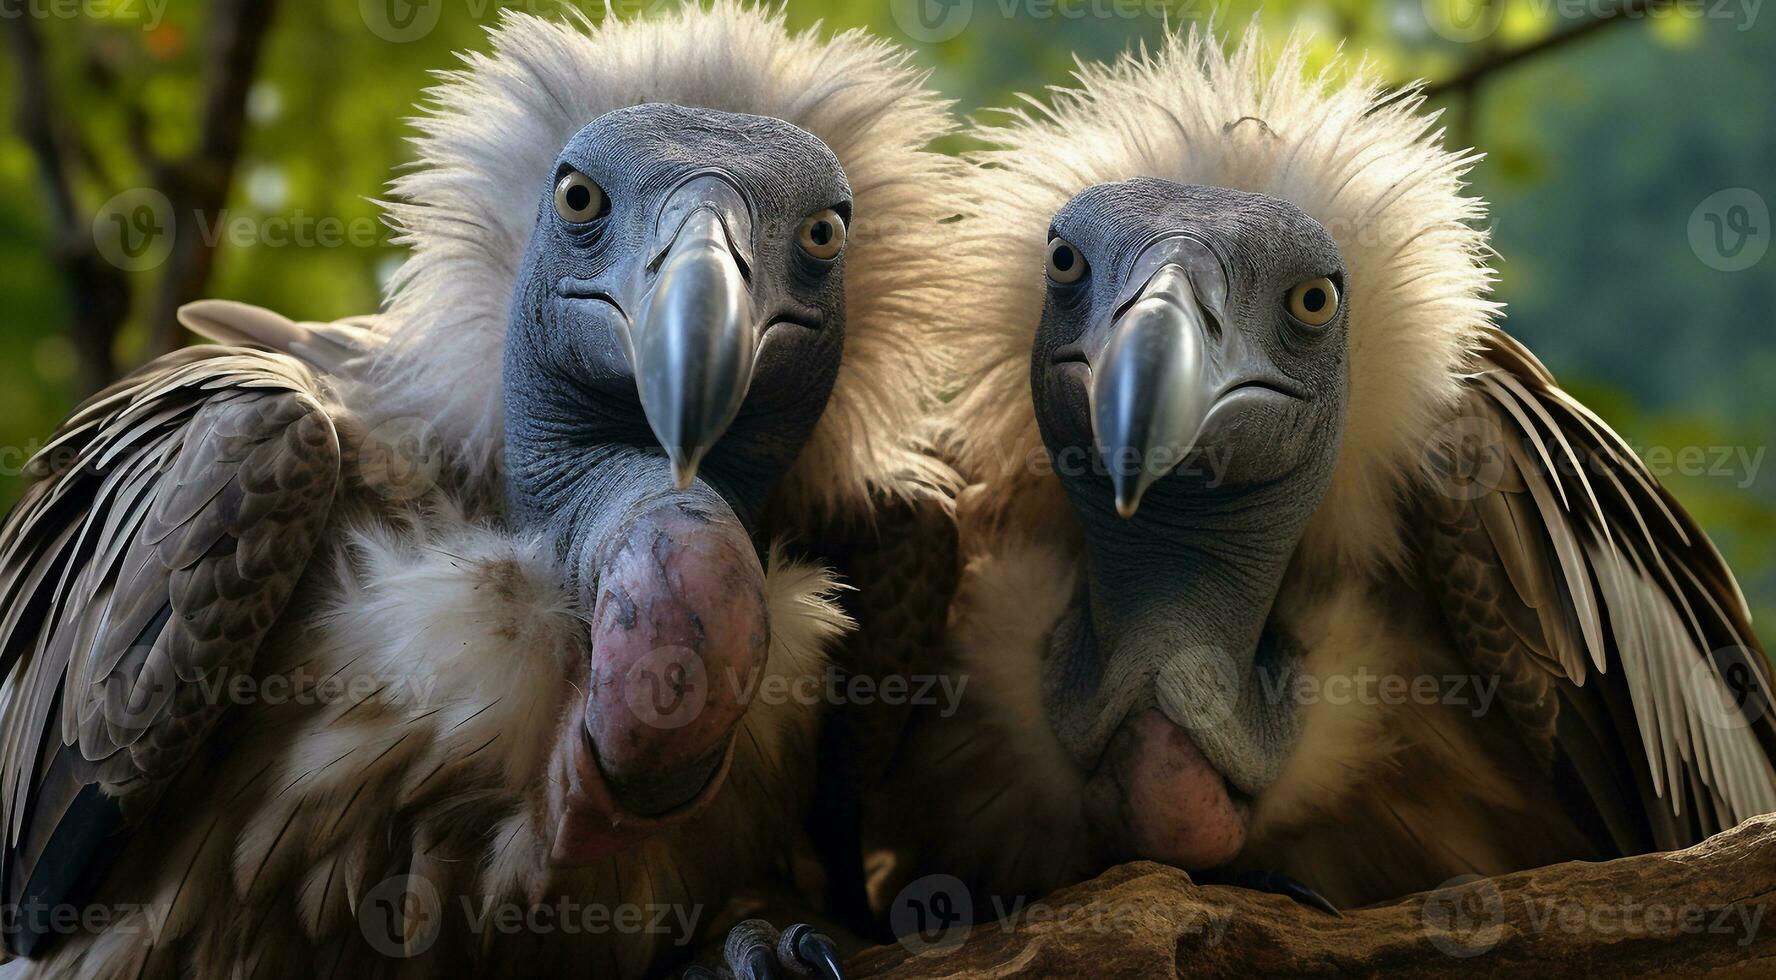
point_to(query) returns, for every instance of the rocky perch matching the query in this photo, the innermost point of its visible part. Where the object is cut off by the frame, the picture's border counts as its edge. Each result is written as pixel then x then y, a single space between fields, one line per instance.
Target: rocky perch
pixel 1700 912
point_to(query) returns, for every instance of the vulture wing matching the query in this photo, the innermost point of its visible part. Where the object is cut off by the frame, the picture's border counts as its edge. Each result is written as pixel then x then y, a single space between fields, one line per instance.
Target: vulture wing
pixel 1622 643
pixel 171 519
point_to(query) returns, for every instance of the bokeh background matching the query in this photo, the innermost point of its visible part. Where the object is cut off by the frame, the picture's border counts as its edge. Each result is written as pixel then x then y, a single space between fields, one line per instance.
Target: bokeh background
pixel 156 151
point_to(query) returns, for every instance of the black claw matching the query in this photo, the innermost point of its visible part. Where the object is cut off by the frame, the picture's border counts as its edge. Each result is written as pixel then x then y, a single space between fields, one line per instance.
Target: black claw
pixel 1274 882
pixel 751 951
pixel 813 952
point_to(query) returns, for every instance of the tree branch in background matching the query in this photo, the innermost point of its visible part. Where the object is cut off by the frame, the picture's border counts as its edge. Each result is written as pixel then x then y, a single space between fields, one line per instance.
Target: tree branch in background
pixel 198 185
pixel 1469 78
pixel 98 291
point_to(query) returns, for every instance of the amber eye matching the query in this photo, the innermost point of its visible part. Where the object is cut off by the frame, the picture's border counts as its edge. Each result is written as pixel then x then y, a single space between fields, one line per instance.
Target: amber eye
pixel 577 198
pixel 1313 302
pixel 1065 264
pixel 822 234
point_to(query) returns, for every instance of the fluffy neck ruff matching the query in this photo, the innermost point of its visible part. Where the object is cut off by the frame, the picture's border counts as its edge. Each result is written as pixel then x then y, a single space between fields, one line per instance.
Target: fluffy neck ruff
pixel 489 138
pixel 1364 162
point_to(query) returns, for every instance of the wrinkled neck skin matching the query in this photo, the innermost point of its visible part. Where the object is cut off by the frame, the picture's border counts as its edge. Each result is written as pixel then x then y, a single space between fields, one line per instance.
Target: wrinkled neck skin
pixel 1174 615
pixel 581 461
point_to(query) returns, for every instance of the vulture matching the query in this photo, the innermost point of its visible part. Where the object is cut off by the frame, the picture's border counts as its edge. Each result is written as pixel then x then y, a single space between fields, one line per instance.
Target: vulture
pixel 444 639
pixel 1282 561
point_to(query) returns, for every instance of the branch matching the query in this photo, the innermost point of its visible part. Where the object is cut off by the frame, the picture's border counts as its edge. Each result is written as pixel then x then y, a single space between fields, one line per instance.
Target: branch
pixel 198 186
pixel 37 125
pixel 1693 912
pixel 1470 76
pixel 98 292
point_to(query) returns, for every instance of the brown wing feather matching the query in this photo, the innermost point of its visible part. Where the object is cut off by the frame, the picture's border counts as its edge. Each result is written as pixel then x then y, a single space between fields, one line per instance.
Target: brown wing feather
pixel 171 519
pixel 1623 644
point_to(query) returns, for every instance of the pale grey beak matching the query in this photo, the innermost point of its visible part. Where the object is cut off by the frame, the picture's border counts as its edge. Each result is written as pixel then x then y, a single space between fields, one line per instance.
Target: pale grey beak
pixel 1149 390
pixel 693 344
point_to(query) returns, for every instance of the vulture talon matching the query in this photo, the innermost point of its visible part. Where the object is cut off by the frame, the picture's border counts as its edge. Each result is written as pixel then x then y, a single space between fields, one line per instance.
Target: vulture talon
pixel 751 951
pixel 810 952
pixel 1273 882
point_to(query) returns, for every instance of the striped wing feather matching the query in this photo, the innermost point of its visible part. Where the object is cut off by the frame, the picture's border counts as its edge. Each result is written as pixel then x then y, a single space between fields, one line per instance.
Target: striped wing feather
pixel 170 520
pixel 1623 645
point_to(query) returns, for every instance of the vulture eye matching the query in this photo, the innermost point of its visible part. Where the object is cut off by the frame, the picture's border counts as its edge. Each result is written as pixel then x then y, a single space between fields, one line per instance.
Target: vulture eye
pixel 1313 302
pixel 822 234
pixel 578 199
pixel 1065 264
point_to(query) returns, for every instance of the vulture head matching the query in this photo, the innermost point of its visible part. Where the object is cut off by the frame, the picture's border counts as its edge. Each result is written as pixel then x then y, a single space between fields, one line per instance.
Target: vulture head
pixel 675 334
pixel 1189 382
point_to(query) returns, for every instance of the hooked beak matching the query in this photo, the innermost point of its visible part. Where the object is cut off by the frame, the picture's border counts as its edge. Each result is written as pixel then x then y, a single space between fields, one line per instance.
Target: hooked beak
pixel 1150 389
pixel 693 345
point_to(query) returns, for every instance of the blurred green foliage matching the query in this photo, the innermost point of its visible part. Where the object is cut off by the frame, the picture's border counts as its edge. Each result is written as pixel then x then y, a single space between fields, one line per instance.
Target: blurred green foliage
pixel 1599 152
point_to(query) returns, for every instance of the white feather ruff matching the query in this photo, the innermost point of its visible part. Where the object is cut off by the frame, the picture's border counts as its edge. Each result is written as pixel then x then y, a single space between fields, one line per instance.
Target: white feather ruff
pixel 450 648
pixel 1366 165
pixel 491 134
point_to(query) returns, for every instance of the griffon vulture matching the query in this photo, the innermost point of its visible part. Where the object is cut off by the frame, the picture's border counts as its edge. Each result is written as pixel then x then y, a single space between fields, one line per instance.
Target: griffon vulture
pixel 329 648
pixel 1283 561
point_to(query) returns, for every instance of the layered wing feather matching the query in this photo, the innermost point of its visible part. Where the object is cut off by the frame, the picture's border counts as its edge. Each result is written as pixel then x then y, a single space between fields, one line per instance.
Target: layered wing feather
pixel 172 517
pixel 1623 646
